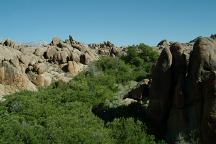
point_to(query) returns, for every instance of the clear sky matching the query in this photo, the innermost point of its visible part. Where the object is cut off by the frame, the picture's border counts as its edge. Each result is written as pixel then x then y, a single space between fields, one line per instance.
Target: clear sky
pixel 120 21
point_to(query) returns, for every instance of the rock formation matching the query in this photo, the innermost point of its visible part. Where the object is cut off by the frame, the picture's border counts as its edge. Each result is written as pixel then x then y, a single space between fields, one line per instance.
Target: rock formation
pixel 182 93
pixel 25 67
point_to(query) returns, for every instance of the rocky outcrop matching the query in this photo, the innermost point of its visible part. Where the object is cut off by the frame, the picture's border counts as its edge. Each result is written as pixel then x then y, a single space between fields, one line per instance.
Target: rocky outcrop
pixel 28 67
pixel 10 43
pixel 107 48
pixel 56 42
pixel 182 93
pixel 13 78
pixel 160 90
pixel 8 53
pixel 201 88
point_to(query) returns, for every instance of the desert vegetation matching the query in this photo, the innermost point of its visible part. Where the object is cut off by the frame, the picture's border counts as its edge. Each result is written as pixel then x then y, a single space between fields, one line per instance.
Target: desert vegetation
pixel 64 112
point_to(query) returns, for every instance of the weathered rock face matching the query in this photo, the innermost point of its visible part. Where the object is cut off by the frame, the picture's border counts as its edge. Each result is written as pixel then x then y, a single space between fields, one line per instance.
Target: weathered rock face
pixel 176 120
pixel 202 81
pixel 160 90
pixel 26 67
pixel 182 94
pixel 14 78
pixel 8 53
pixel 74 67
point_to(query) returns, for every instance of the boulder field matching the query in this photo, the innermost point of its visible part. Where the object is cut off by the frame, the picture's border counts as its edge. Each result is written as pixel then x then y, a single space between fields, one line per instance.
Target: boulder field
pixel 27 67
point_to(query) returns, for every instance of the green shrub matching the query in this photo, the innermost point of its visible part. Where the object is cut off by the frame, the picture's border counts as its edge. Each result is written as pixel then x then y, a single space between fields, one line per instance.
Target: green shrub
pixel 141 58
pixel 62 113
pixel 126 131
pixel 140 55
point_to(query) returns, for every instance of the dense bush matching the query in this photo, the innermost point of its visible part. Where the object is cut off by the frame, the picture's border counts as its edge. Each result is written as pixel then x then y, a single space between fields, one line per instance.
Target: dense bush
pixel 141 57
pixel 62 113
pixel 126 131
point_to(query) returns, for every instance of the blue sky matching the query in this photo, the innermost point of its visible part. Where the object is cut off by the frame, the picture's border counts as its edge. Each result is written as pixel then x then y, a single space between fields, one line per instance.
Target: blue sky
pixel 123 22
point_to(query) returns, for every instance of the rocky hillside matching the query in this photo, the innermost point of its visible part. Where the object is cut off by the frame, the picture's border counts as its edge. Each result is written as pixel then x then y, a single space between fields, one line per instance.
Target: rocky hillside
pixel 26 67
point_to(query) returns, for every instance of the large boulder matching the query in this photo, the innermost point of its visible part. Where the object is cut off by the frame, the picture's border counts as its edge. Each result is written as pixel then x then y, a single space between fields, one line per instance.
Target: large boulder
pixel 57 55
pixel 202 84
pixel 40 51
pixel 50 53
pixel 40 68
pixel 27 50
pixel 76 55
pixel 85 59
pixel 176 120
pixel 182 94
pixel 56 42
pixel 25 59
pixel 65 56
pixel 74 68
pixel 114 52
pixel 160 91
pixel 10 75
pixel 8 53
pixel 30 59
pixel 43 80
